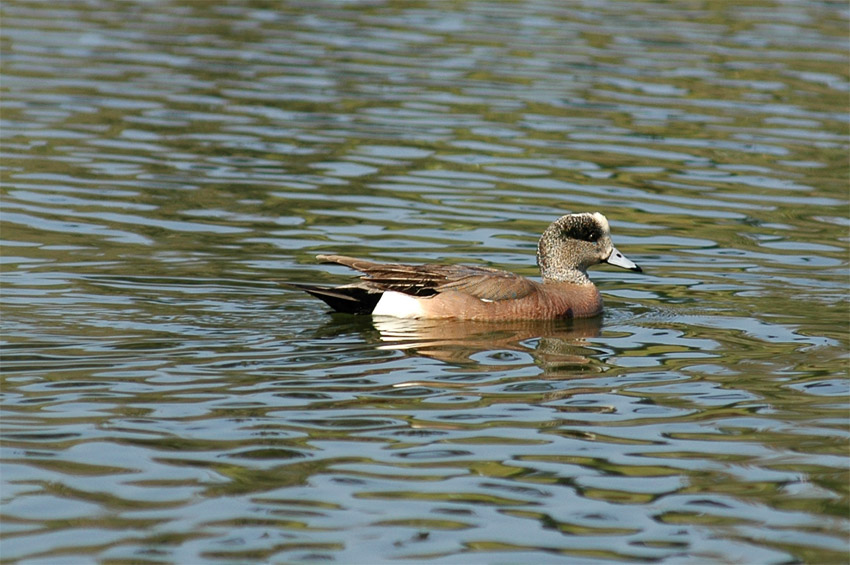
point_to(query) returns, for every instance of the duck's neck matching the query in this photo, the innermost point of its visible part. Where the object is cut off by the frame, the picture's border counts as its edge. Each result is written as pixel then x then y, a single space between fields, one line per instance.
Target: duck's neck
pixel 571 276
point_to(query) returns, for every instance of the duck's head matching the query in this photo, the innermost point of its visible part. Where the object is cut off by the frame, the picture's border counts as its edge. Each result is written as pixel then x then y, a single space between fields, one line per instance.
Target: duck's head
pixel 574 242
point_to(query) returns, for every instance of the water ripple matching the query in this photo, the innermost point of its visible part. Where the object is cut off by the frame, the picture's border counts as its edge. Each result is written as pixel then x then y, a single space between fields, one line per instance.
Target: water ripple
pixel 166 166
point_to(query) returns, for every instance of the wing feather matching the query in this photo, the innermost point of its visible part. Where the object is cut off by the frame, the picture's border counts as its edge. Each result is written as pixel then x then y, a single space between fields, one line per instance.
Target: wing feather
pixel 426 280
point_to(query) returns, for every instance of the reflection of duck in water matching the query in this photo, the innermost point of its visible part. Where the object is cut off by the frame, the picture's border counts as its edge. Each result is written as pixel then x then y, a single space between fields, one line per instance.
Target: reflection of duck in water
pixel 566 249
pixel 549 342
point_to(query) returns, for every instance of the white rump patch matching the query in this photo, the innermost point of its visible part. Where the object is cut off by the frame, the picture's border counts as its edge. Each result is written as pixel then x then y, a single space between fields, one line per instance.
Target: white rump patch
pixel 398 305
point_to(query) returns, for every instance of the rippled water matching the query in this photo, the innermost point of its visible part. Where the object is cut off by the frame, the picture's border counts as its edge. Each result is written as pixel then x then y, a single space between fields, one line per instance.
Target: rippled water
pixel 167 164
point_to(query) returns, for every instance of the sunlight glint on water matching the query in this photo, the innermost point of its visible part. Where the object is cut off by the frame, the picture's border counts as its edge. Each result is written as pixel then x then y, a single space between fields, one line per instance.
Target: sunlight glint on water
pixel 167 165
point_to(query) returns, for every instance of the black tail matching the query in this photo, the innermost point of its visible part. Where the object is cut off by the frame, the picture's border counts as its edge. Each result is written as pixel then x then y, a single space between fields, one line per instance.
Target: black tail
pixel 347 299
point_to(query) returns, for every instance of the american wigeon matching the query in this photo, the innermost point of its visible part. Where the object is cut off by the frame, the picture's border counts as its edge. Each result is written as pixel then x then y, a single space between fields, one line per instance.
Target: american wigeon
pixel 570 245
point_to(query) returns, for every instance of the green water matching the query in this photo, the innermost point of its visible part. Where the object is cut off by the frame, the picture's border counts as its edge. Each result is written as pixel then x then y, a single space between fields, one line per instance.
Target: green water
pixel 165 165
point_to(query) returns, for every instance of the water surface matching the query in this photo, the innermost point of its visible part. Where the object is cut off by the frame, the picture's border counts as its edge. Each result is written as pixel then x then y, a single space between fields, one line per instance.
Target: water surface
pixel 165 165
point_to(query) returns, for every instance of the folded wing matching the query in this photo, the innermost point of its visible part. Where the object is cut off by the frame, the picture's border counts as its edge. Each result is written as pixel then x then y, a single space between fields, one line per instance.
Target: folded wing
pixel 484 283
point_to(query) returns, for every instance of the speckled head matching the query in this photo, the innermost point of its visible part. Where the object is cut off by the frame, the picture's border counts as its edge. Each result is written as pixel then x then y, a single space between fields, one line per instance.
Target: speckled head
pixel 574 242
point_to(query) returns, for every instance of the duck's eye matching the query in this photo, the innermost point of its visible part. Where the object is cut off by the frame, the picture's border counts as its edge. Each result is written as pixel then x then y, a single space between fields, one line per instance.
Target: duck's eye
pixel 590 235
pixel 584 231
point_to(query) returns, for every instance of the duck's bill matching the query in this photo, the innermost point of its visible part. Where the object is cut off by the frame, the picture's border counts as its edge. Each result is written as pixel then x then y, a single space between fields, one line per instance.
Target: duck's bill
pixel 618 259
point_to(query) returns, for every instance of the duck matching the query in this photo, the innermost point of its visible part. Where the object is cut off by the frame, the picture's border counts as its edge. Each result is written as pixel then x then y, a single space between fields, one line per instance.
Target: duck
pixel 566 249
